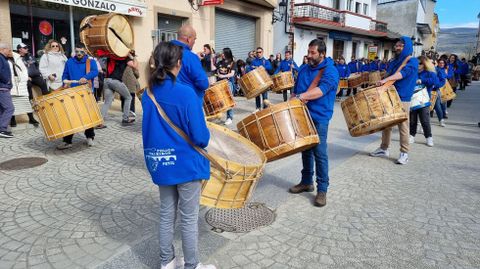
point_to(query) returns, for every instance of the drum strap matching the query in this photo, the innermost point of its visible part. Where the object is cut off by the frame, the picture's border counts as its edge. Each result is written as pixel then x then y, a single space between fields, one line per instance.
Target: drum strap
pixel 316 79
pixel 181 133
pixel 87 70
pixel 391 82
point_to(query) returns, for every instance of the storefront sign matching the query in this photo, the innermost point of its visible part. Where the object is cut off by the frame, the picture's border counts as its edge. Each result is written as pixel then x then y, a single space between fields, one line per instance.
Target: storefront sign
pixel 372 52
pixel 211 2
pixel 132 8
pixel 335 35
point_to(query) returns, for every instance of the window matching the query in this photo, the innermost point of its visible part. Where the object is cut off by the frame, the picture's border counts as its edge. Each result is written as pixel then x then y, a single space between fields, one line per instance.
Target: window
pixel 354 49
pixel 358 8
pixel 385 54
pixel 336 4
pixel 338 46
pixel 365 9
pixel 350 5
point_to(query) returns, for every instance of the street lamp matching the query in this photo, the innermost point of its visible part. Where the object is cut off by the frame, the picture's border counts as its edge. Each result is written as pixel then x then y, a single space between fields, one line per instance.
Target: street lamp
pixel 280 13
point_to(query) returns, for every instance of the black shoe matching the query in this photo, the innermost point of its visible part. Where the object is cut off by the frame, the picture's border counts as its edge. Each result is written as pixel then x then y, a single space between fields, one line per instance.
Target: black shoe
pixel 101 126
pixel 299 188
pixel 320 199
pixel 13 122
pixel 128 122
pixel 6 134
pixel 34 122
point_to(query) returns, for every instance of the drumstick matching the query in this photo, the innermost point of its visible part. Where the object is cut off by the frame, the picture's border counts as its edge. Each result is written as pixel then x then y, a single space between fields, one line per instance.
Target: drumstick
pixel 66 81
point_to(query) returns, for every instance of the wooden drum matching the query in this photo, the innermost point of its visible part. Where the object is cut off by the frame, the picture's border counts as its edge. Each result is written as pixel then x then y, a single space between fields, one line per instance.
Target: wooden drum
pixel 108 32
pixel 280 130
pixel 282 81
pixel 433 99
pixel 255 82
pixel 373 110
pixel 218 98
pixel 365 77
pixel 447 93
pixel 374 77
pixel 67 112
pixel 342 84
pixel 242 164
pixel 355 81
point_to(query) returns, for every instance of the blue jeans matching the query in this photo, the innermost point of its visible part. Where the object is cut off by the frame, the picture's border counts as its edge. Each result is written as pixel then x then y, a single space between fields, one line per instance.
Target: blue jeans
pixel 6 109
pixel 439 107
pixel 258 101
pixel 317 155
pixel 232 90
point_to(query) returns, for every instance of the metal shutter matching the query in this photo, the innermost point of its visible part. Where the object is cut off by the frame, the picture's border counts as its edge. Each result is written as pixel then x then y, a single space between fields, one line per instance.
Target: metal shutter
pixel 235 32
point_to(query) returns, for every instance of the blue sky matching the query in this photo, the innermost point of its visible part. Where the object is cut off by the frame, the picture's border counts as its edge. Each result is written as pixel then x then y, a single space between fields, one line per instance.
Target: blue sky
pixel 458 13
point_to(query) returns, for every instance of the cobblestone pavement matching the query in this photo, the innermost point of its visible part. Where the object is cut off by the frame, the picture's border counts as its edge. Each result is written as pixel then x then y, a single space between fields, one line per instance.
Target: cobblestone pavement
pixel 97 208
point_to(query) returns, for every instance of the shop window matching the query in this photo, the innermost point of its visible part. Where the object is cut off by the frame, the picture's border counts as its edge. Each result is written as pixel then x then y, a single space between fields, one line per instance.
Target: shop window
pixel 354 49
pixel 386 54
pixel 338 46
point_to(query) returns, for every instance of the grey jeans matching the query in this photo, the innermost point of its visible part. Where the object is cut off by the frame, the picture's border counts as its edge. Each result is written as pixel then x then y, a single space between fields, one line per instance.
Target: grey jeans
pixel 110 86
pixel 185 197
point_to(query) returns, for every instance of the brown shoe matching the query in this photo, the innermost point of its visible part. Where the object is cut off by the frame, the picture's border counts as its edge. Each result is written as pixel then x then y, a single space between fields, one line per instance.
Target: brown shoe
pixel 321 199
pixel 299 188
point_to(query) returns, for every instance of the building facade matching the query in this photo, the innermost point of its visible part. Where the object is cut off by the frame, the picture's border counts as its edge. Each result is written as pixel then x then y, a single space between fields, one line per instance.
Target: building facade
pixel 414 18
pixel 348 27
pixel 240 25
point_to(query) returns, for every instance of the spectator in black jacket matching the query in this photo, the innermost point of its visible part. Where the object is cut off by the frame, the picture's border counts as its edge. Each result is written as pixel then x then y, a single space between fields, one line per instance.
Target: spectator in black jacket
pixel 34 75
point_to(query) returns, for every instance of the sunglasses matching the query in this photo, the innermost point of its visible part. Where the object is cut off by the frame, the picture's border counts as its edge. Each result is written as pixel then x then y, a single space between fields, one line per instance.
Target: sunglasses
pixel 80 52
pixel 54 46
pixel 258 52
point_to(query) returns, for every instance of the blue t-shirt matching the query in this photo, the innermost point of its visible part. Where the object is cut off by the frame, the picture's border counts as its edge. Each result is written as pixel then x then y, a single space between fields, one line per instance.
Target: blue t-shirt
pixel 76 69
pixel 343 71
pixel 286 66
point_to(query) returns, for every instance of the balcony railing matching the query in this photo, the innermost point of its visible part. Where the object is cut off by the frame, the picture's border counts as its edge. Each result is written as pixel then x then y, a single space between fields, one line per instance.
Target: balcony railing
pixel 340 18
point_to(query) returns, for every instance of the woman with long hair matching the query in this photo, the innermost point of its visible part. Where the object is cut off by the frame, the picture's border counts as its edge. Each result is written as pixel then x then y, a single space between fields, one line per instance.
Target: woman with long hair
pixel 226 71
pixel 453 65
pixel 208 60
pixel 427 78
pixel 52 64
pixel 441 108
pixel 174 165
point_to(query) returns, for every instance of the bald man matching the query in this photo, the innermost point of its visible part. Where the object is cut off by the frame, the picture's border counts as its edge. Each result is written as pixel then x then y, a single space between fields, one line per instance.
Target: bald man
pixel 191 72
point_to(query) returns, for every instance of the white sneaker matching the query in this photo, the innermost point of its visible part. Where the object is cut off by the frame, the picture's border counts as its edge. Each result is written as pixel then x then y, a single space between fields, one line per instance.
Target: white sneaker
pixel 64 146
pixel 132 114
pixel 228 121
pixel 380 153
pixel 411 140
pixel 176 262
pixel 430 141
pixel 442 122
pixel 256 110
pixel 205 266
pixel 90 142
pixel 403 159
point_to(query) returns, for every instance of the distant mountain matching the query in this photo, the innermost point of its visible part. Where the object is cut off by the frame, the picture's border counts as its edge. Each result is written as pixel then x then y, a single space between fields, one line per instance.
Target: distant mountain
pixel 457 40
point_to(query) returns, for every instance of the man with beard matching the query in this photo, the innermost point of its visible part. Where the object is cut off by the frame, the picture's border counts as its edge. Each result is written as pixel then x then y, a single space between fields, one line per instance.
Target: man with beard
pixel 316 86
pixel 405 82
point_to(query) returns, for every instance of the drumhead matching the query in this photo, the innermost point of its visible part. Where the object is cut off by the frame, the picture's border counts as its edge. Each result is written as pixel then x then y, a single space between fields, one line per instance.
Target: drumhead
pixel 231 148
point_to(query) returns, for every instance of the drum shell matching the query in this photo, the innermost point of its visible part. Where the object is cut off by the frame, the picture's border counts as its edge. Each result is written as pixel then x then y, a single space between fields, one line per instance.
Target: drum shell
pixel 342 84
pixel 374 77
pixel 282 81
pixel 355 81
pixel 280 130
pixel 372 110
pixel 365 77
pixel 232 184
pixel 100 37
pixel 255 82
pixel 218 98
pixel 447 92
pixel 433 99
pixel 67 112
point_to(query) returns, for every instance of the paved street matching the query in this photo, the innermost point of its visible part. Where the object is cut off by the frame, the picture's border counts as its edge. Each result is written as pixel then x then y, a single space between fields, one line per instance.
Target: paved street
pixel 97 208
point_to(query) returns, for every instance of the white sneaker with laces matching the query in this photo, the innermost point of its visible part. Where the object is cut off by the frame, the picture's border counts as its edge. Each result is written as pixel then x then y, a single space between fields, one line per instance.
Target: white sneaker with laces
pixel 174 264
pixel 205 266
pixel 90 142
pixel 442 122
pixel 403 159
pixel 411 140
pixel 228 121
pixel 430 141
pixel 64 146
pixel 380 153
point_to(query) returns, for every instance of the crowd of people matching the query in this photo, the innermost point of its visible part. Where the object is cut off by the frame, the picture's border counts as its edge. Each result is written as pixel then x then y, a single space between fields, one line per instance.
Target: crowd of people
pixel 56 70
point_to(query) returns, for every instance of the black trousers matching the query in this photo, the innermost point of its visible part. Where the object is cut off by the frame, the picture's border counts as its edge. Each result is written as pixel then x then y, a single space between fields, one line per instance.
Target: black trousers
pixel 285 94
pixel 449 103
pixel 424 116
pixel 89 133
pixel 349 91
pixel 38 81
pixel 463 82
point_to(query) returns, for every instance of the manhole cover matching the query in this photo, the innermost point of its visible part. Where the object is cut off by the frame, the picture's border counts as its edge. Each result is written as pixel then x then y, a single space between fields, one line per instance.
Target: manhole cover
pixel 22 163
pixel 241 220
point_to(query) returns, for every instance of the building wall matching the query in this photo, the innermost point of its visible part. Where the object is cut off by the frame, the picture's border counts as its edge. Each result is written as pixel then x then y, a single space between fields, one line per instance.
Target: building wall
pixel 5 27
pixel 401 16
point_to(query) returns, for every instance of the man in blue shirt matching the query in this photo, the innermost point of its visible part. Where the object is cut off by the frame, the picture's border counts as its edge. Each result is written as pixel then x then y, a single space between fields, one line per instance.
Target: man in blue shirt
pixel 405 82
pixel 316 86
pixel 191 73
pixel 83 69
pixel 287 65
pixel 6 104
pixel 355 66
pixel 257 62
